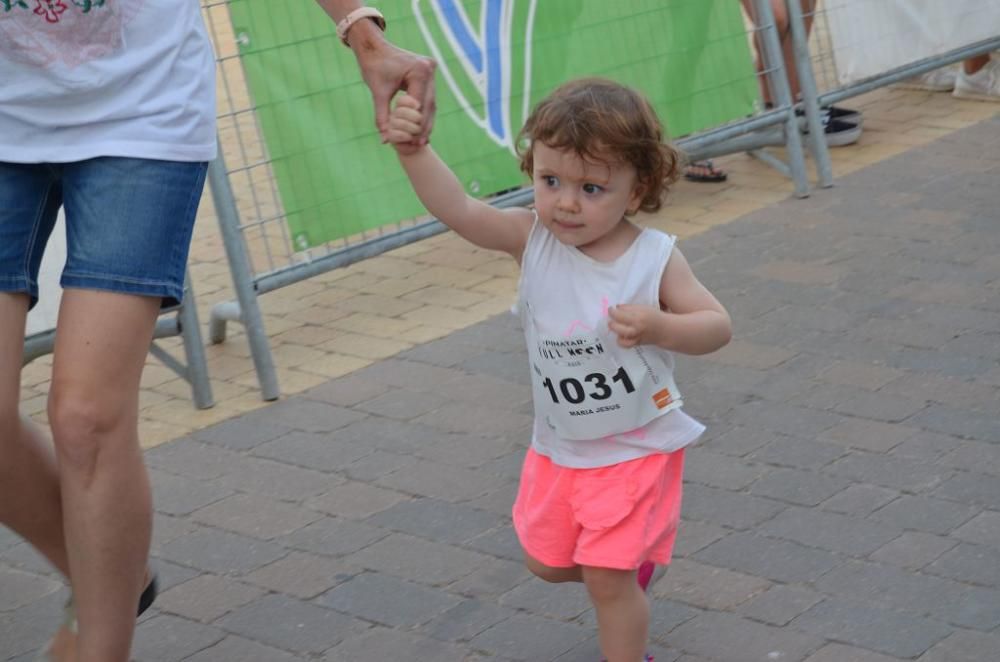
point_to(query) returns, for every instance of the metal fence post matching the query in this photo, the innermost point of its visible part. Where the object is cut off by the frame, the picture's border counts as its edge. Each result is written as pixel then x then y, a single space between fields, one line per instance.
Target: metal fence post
pixel 247 310
pixel 778 80
pixel 807 85
pixel 194 350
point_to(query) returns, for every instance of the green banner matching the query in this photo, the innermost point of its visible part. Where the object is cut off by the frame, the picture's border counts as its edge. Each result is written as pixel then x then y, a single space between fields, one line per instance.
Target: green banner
pixel 496 59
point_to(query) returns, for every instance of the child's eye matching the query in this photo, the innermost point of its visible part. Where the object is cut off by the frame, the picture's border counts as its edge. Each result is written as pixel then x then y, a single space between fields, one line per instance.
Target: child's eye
pixel 550 180
pixel 592 188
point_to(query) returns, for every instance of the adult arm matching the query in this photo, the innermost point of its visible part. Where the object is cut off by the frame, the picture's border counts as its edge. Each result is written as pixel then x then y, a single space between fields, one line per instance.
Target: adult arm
pixel 386 68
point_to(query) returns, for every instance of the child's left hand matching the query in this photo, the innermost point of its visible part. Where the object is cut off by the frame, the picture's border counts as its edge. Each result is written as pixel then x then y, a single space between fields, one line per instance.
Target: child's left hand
pixel 633 324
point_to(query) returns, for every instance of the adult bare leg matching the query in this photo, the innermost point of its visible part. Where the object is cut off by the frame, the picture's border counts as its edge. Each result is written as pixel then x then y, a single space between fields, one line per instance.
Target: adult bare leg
pixel 29 483
pixel 785 37
pixel 101 346
pixel 30 502
pixel 787 47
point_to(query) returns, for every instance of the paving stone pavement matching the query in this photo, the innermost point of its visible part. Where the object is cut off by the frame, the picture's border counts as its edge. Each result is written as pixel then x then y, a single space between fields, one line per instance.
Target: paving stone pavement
pixel 843 507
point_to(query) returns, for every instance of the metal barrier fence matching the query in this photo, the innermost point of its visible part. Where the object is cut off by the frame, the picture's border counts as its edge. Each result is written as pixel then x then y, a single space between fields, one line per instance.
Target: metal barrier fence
pixel 262 254
pixel 861 45
pixel 180 320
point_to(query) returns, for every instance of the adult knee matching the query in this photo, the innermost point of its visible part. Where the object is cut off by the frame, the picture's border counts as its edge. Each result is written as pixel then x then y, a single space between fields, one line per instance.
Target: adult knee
pixel 81 426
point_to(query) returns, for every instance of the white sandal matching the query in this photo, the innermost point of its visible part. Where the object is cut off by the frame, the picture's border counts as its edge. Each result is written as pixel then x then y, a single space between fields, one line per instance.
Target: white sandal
pixel 69 614
pixel 68 622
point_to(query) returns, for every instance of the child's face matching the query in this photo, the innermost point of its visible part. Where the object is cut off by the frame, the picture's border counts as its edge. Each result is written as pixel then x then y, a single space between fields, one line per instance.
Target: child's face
pixel 581 202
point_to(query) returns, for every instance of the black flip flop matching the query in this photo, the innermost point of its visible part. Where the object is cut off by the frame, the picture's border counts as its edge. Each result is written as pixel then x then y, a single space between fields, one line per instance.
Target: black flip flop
pixel 714 176
pixel 148 595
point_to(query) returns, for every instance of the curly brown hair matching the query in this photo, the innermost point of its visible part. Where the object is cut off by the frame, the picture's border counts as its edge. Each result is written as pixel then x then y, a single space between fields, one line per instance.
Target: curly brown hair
pixel 604 121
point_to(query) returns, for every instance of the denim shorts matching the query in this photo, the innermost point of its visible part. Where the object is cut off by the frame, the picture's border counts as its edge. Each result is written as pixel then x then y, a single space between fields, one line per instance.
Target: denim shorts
pixel 128 223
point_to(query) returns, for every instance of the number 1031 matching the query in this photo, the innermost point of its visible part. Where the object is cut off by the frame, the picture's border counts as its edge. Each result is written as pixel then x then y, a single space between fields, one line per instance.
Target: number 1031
pixel 574 391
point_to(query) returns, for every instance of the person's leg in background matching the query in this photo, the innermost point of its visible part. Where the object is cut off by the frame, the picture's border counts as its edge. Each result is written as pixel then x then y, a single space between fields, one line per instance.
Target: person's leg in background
pixel 781 22
pixel 842 125
pixel 974 64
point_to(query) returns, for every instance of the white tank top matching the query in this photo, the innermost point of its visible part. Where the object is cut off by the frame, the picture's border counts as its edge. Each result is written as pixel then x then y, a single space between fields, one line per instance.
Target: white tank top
pixel 597 403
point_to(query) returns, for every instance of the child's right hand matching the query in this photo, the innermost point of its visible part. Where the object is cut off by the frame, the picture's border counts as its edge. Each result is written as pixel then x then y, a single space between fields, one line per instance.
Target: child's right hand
pixel 405 123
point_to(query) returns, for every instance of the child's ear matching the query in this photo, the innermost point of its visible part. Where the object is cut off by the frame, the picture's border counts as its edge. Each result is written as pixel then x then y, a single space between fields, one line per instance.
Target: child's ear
pixel 635 200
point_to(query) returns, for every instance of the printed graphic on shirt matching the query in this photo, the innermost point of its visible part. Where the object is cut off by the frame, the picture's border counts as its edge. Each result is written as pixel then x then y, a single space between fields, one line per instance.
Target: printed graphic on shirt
pixel 662 398
pixel 47 33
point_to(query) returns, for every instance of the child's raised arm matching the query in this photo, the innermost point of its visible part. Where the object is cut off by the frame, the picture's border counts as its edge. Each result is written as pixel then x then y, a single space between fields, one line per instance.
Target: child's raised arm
pixel 442 194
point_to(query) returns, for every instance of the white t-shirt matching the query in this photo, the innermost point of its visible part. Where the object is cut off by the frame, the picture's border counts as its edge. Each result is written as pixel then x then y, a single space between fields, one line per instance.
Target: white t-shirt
pixel 563 298
pixel 78 80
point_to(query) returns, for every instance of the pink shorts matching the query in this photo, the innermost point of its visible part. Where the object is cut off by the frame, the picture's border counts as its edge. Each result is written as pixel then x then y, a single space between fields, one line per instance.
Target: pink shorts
pixel 609 517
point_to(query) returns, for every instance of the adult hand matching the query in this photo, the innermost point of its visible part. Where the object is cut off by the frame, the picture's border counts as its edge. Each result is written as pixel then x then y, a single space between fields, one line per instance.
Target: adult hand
pixel 387 69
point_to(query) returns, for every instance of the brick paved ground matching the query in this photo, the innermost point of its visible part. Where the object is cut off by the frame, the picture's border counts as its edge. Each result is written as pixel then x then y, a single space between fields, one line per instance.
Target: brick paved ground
pixel 844 507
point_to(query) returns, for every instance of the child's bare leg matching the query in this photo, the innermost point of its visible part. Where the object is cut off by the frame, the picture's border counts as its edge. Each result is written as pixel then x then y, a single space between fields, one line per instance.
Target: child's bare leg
pixel 553 574
pixel 622 613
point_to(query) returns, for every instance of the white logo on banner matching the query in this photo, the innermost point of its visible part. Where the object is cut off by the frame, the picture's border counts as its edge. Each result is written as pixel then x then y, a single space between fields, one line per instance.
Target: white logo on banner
pixel 485 58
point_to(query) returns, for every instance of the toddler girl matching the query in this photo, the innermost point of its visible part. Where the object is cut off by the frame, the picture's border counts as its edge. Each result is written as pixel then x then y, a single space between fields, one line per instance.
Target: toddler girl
pixel 604 303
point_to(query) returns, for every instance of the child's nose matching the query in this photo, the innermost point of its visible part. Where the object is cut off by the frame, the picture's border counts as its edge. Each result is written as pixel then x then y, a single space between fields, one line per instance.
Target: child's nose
pixel 567 200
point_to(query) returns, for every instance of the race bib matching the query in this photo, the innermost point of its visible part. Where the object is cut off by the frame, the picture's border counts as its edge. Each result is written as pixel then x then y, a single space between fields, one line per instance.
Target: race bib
pixel 45 33
pixel 586 386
